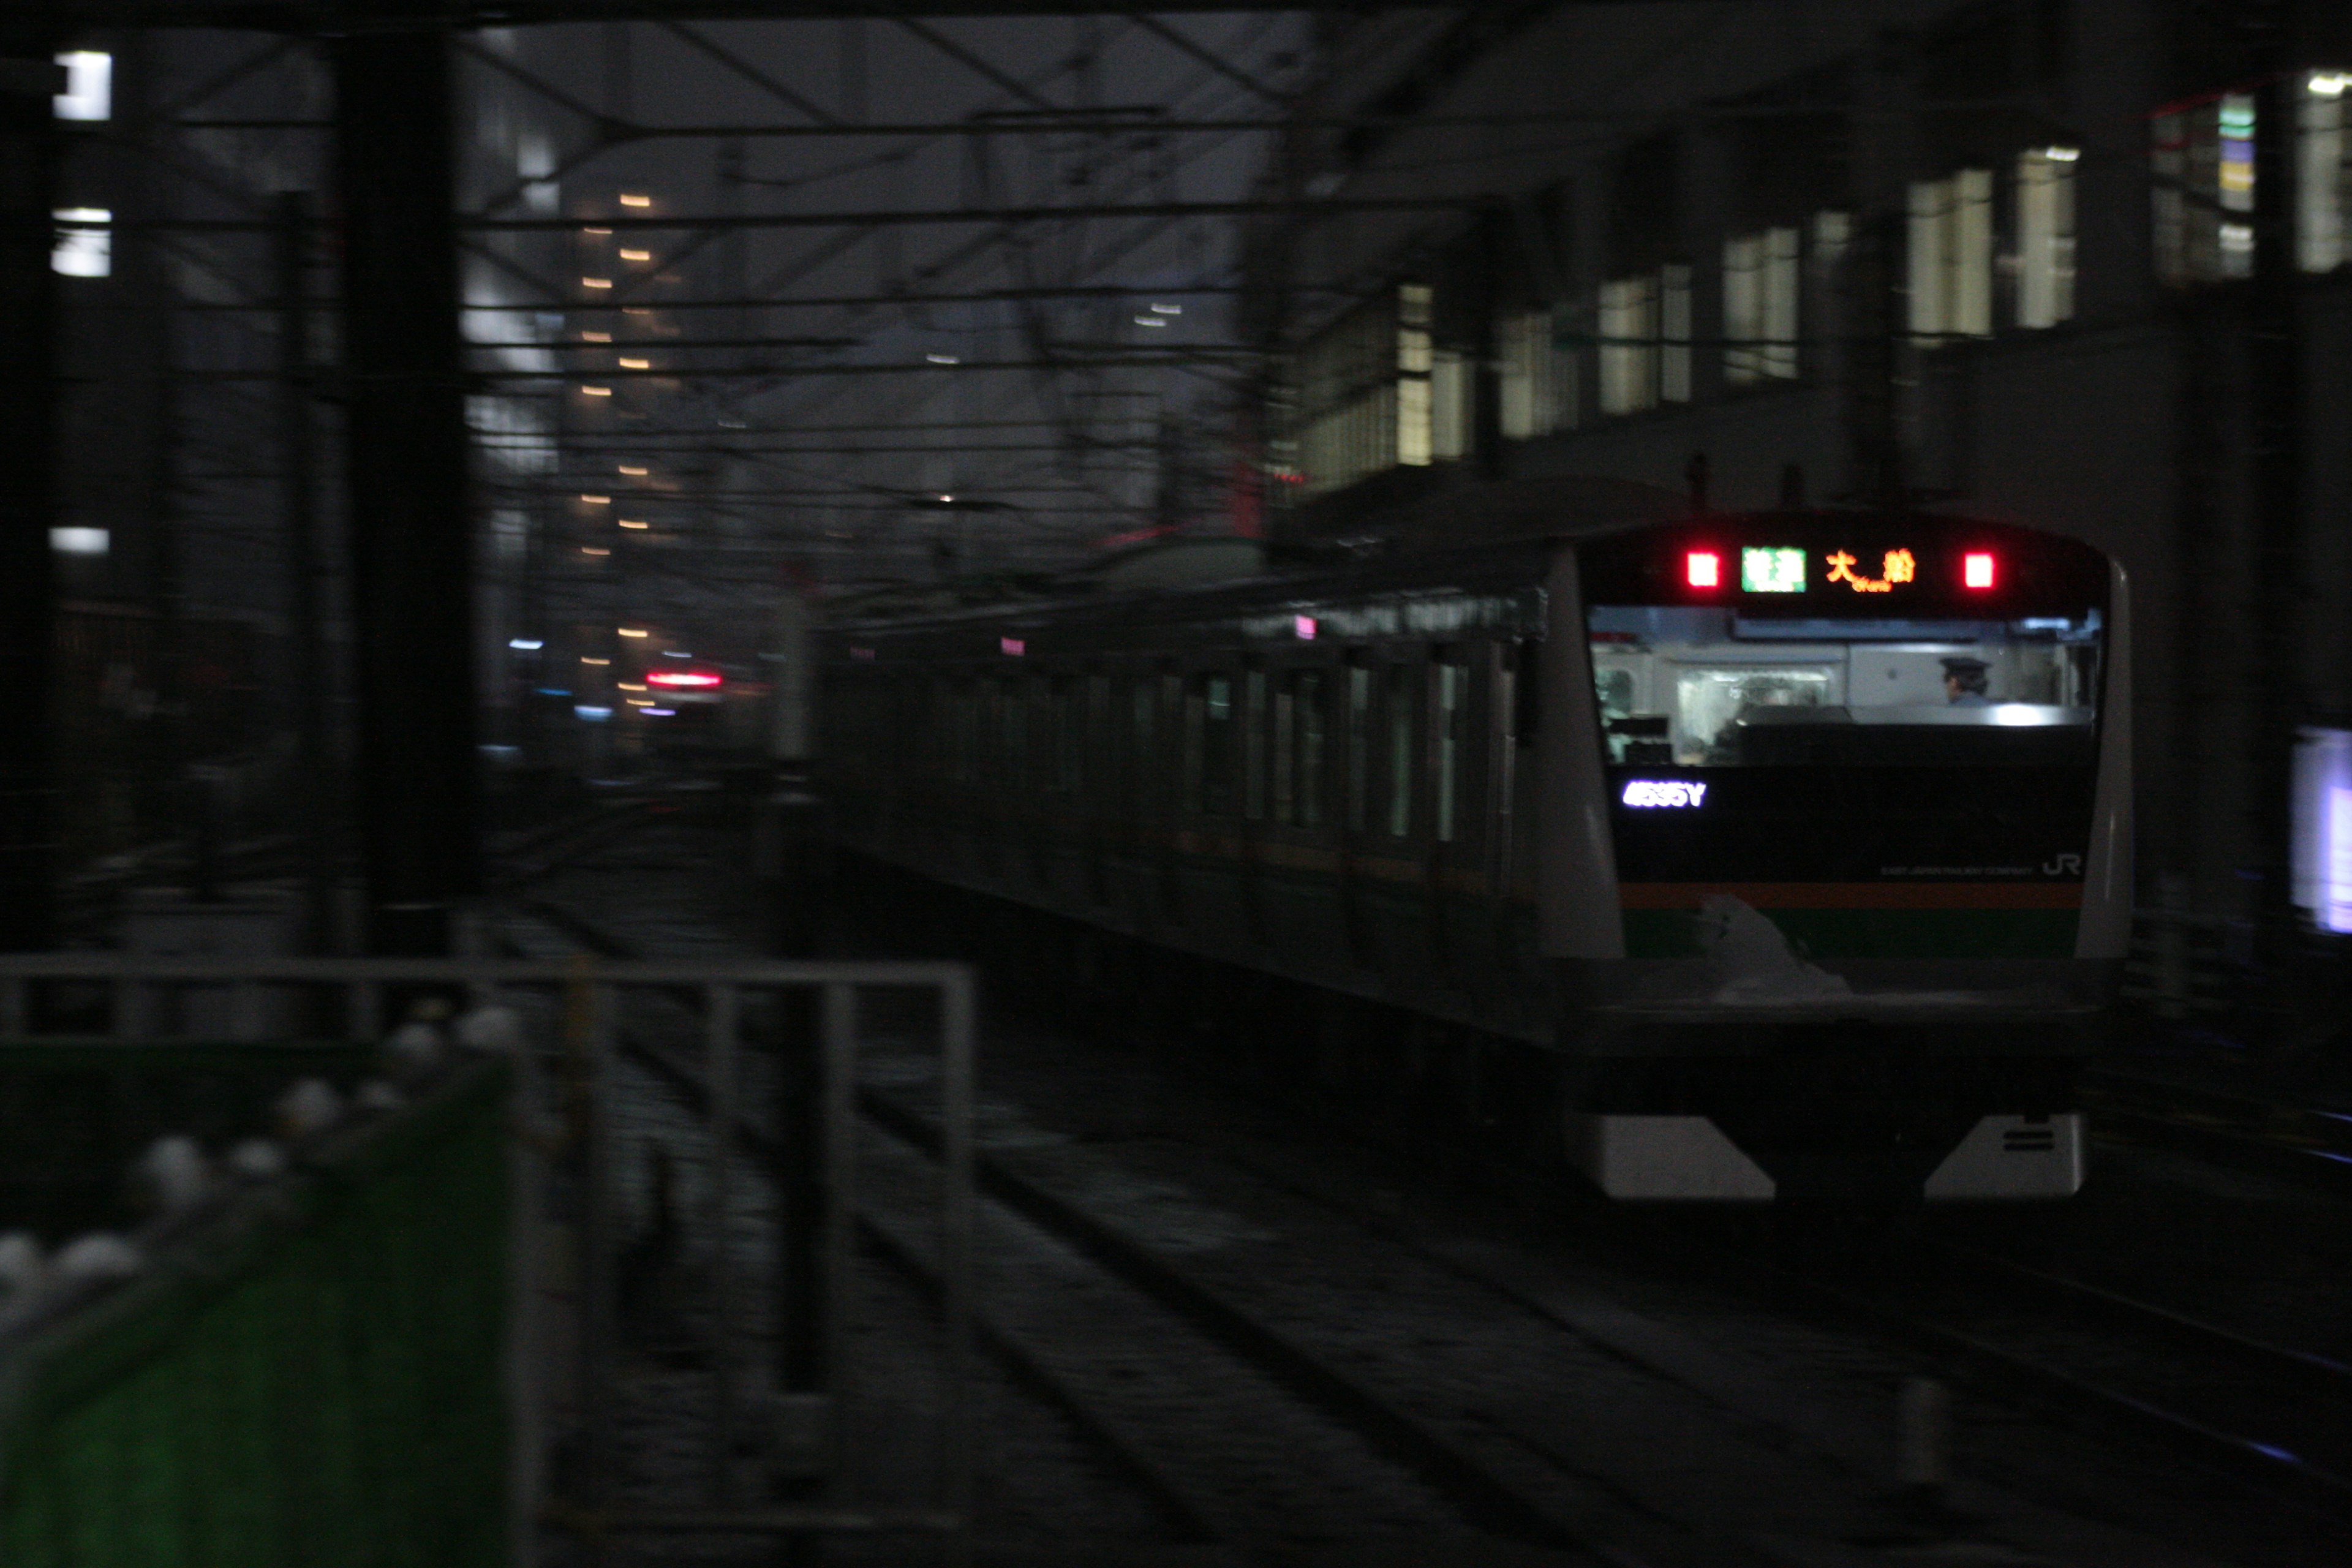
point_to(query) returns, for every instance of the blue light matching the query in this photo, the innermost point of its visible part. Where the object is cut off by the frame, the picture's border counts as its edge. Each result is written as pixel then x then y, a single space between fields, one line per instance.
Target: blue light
pixel 525 645
pixel 555 692
pixel 593 715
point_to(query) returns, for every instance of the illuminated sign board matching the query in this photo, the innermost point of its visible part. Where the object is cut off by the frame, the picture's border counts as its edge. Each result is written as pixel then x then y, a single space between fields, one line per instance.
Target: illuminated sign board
pixel 1895 566
pixel 1773 570
pixel 2322 827
pixel 1668 793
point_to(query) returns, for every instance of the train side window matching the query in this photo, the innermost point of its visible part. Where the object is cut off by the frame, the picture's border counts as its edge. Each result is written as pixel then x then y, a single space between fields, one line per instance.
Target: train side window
pixel 1217 754
pixel 1142 704
pixel 1284 720
pixel 1310 749
pixel 988 742
pixel 1506 726
pixel 1069 735
pixel 1524 706
pixel 1360 747
pixel 1401 689
pixel 1171 761
pixel 1252 721
pixel 1451 707
pixel 1099 740
pixel 1012 734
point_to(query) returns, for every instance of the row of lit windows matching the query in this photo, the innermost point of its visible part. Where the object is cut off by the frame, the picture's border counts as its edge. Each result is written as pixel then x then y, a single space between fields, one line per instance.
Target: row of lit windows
pixel 1360 745
pixel 1959 280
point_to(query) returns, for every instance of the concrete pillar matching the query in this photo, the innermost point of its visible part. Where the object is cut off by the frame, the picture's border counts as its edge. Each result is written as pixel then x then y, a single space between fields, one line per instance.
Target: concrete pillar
pixel 28 400
pixel 406 467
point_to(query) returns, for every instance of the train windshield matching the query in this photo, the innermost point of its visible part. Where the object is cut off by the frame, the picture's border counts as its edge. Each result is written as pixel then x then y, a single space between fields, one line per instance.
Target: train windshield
pixel 1706 685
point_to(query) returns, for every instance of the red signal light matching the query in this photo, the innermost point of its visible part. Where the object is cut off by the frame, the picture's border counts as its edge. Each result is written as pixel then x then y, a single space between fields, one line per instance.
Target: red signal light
pixel 676 678
pixel 1977 569
pixel 1702 569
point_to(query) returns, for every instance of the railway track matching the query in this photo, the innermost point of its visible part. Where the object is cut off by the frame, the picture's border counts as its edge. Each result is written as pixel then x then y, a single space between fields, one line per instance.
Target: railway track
pixel 1469 1476
pixel 2280 1417
pixel 1136 1355
pixel 2303 1145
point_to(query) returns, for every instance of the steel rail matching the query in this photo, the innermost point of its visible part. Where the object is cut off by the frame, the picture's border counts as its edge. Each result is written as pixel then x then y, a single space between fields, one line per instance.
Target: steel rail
pixel 1482 1497
pixel 1187 1515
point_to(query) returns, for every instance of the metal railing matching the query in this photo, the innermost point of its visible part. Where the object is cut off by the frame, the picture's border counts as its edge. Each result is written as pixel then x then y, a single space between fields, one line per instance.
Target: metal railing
pixel 568 1080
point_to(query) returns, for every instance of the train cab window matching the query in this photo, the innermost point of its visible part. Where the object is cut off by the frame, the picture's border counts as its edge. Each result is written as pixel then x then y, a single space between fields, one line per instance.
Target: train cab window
pixel 1401 690
pixel 1450 706
pixel 1310 749
pixel 1359 748
pixel 1692 686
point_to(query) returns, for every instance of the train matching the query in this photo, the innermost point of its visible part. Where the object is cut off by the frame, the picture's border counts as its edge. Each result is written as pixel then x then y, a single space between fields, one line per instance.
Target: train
pixel 1764 856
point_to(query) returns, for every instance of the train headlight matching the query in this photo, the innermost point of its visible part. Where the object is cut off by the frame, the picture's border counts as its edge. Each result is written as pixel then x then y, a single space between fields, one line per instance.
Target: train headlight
pixel 1977 569
pixel 1702 569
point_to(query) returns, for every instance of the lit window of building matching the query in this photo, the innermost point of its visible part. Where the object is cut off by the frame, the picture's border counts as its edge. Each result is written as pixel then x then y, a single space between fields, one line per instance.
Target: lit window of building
pixel 1538 377
pixel 1950 255
pixel 1364 393
pixel 2203 157
pixel 84 243
pixel 1675 333
pixel 1450 405
pixel 1414 361
pixel 2323 173
pixel 2045 236
pixel 1629 345
pixel 89 87
pixel 1760 290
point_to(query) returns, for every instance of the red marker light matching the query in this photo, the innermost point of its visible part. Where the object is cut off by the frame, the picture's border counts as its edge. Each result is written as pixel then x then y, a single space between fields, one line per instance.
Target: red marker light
pixel 683 677
pixel 1702 569
pixel 1977 569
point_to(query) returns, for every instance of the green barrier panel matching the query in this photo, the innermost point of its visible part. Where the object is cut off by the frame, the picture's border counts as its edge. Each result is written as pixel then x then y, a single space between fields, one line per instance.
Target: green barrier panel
pixel 311 1375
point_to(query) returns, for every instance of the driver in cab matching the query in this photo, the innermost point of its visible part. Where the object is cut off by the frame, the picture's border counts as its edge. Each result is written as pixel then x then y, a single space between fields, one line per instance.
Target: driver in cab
pixel 1965 682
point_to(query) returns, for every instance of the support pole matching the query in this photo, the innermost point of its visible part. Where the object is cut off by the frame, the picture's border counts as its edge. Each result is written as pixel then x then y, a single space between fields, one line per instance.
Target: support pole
pixel 322 798
pixel 2274 379
pixel 29 399
pixel 411 560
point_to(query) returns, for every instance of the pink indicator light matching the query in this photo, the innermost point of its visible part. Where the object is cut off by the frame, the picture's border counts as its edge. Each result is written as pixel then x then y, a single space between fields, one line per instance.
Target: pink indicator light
pixel 1977 569
pixel 1702 569
pixel 683 677
pixel 1015 647
pixel 1304 626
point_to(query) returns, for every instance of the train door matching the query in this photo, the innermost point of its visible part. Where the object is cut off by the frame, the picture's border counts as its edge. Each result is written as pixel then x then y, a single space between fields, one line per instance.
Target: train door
pixel 1161 790
pixel 1463 692
pixel 1355 803
pixel 1098 770
pixel 1394 865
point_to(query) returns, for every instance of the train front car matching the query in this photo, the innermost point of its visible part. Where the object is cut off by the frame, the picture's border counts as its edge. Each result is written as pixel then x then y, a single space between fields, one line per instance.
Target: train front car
pixel 1843 886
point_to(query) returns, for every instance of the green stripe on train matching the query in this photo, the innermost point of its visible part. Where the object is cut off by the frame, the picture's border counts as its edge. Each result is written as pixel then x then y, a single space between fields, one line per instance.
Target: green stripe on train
pixel 1876 933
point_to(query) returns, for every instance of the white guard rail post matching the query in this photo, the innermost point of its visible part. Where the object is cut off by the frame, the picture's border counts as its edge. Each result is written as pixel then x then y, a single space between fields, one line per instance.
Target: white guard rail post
pixel 564 1126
